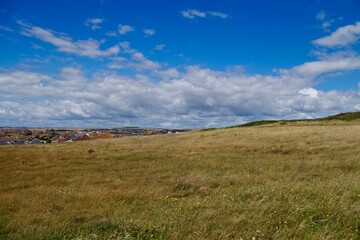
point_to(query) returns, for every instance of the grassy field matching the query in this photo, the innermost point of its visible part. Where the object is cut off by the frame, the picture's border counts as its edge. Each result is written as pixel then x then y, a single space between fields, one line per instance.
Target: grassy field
pixel 296 180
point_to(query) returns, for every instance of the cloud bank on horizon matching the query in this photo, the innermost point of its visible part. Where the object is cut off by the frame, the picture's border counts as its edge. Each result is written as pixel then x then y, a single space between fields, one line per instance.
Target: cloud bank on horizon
pixel 136 71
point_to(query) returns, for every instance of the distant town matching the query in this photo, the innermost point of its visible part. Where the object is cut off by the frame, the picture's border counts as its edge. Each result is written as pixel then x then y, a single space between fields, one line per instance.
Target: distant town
pixel 16 136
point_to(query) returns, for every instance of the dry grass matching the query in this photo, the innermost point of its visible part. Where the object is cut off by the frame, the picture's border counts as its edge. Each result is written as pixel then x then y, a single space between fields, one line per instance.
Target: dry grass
pixel 294 181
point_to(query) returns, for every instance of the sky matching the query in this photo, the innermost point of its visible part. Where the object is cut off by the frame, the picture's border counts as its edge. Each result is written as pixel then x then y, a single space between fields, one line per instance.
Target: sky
pixel 176 64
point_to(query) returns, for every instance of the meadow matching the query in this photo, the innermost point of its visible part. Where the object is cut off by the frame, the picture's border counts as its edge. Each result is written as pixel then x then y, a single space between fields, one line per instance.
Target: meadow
pixel 281 180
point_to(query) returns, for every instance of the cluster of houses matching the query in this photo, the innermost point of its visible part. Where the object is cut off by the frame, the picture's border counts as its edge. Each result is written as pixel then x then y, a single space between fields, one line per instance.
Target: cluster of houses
pixel 15 136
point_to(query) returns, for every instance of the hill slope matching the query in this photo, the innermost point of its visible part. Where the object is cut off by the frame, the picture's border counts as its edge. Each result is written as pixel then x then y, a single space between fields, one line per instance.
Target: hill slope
pixel 349 116
pixel 279 182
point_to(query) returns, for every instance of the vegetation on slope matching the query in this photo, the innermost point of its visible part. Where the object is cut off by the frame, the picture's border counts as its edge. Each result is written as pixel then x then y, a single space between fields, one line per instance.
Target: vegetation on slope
pixel 256 123
pixel 349 116
pixel 282 182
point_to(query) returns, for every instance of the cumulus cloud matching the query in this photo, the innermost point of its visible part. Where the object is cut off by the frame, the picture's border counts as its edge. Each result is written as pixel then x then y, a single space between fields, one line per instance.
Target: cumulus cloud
pixel 311 92
pixel 21 84
pixel 31 85
pixel 196 97
pixel 341 37
pixel 50 110
pixel 149 32
pixel 192 13
pixel 88 48
pixel 166 96
pixel 93 23
pixel 167 73
pixel 124 29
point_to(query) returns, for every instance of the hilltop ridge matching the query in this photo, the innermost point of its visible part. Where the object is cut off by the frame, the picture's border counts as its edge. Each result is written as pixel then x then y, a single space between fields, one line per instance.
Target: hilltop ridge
pixel 347 116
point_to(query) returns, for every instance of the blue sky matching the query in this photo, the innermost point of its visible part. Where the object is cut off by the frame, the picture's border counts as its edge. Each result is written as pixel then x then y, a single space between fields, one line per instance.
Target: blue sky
pixel 176 63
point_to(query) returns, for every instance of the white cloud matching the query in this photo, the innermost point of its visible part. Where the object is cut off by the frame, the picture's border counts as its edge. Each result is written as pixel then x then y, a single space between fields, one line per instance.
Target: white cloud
pixel 19 84
pixel 327 24
pixel 311 92
pixel 94 23
pixel 316 68
pixel 111 34
pixel 71 79
pixel 143 63
pixel 5 28
pixel 149 32
pixel 196 97
pixel 167 74
pixel 218 14
pixel 88 48
pixel 321 16
pixel 325 21
pixel 192 13
pixel 94 20
pixel 159 47
pixel 36 46
pixel 124 29
pixel 343 36
pixel 132 59
pixel 166 96
pixel 357 107
pixel 126 46
pixel 115 65
pixel 50 110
